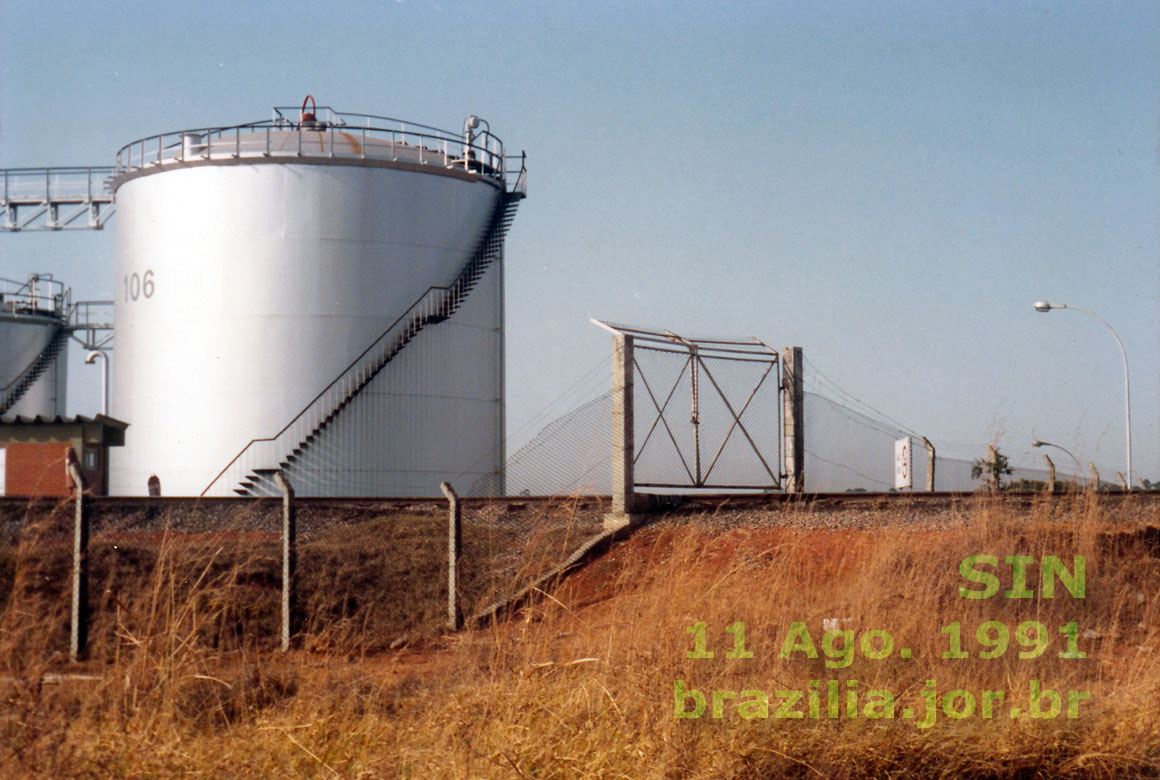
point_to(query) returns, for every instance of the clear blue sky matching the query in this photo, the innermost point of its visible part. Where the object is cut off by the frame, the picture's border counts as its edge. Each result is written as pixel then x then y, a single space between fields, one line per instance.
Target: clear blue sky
pixel 889 185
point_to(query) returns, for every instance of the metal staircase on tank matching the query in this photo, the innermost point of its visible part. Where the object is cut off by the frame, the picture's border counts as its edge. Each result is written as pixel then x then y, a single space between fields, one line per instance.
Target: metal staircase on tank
pixel 27 378
pixel 434 306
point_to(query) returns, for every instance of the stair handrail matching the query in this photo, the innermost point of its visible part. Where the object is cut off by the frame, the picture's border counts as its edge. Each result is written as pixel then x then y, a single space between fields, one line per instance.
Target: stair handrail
pixel 406 319
pixel 5 401
pixel 24 371
pixel 517 185
pixel 390 331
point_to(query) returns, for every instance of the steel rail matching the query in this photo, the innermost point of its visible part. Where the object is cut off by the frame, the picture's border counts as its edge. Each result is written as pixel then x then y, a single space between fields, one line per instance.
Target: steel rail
pixel 17 506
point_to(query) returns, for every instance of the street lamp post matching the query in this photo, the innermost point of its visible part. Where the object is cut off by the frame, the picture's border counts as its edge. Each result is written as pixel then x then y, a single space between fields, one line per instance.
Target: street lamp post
pixel 1046 306
pixel 1038 443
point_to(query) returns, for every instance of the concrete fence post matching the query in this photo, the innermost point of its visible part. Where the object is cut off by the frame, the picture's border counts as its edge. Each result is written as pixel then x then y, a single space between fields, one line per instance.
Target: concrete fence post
pixel 454 539
pixel 289 559
pixel 79 615
pixel 793 414
pixel 930 462
pixel 623 491
pixel 994 479
pixel 1050 474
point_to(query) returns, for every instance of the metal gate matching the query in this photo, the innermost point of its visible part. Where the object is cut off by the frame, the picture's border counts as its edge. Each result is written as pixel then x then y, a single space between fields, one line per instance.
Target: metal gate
pixel 696 413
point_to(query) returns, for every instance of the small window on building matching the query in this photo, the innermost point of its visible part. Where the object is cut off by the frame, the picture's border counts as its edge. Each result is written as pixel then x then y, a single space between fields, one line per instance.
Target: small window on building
pixel 92 459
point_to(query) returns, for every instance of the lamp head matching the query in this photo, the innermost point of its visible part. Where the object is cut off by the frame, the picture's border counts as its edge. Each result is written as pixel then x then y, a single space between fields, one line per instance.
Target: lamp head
pixel 1037 443
pixel 1044 306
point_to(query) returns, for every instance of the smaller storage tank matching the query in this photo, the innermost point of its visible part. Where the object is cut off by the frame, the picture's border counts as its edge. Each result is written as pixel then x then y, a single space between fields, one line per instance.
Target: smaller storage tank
pixel 33 346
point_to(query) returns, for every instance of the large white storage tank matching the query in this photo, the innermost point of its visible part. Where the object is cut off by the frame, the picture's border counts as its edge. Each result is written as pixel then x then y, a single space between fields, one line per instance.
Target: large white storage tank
pixel 33 347
pixel 321 294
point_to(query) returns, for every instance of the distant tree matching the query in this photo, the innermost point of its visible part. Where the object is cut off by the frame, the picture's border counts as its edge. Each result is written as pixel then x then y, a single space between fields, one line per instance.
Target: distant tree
pixel 1150 485
pixel 992 469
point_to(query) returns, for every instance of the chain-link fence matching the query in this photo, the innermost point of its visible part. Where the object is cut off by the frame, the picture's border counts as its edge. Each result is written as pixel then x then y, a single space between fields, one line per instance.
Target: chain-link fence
pixel 569 456
pixel 849 451
pixel 370 573
pixel 846 450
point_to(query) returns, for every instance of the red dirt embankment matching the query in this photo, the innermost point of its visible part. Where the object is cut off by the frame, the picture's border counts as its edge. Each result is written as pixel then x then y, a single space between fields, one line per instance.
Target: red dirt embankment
pixel 592 677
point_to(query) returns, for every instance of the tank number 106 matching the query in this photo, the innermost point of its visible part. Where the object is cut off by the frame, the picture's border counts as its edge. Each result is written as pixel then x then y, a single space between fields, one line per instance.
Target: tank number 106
pixel 138 286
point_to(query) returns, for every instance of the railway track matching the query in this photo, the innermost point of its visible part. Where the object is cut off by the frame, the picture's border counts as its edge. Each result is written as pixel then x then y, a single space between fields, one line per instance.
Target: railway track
pixel 13 507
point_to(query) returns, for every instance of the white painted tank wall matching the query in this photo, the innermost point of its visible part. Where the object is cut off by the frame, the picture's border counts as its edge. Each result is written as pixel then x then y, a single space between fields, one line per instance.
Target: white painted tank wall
pixel 244 289
pixel 22 339
pixel 429 420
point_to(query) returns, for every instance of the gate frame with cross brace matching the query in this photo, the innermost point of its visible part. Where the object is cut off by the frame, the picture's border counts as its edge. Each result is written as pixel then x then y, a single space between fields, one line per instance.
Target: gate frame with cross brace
pixel 626 340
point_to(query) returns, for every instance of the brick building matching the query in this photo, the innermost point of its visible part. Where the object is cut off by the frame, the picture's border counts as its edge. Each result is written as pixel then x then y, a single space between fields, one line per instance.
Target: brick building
pixel 34 452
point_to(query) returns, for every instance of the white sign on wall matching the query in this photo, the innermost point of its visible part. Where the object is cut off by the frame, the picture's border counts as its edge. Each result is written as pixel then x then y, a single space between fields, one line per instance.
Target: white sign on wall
pixel 903 464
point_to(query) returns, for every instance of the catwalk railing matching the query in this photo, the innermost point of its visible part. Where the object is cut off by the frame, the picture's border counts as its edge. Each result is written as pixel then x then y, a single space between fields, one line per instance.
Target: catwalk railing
pixel 55 198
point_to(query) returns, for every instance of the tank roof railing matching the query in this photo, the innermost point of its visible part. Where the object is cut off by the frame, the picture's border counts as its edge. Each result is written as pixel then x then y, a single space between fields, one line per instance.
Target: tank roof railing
pixel 341 118
pixel 391 139
pixel 40 296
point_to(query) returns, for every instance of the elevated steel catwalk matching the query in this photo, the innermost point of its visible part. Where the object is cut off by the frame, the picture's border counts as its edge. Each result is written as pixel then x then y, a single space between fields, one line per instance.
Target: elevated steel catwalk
pixel 55 198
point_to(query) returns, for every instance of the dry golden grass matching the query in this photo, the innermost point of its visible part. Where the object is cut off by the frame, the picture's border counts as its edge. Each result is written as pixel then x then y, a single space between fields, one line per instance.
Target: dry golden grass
pixel 581 683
